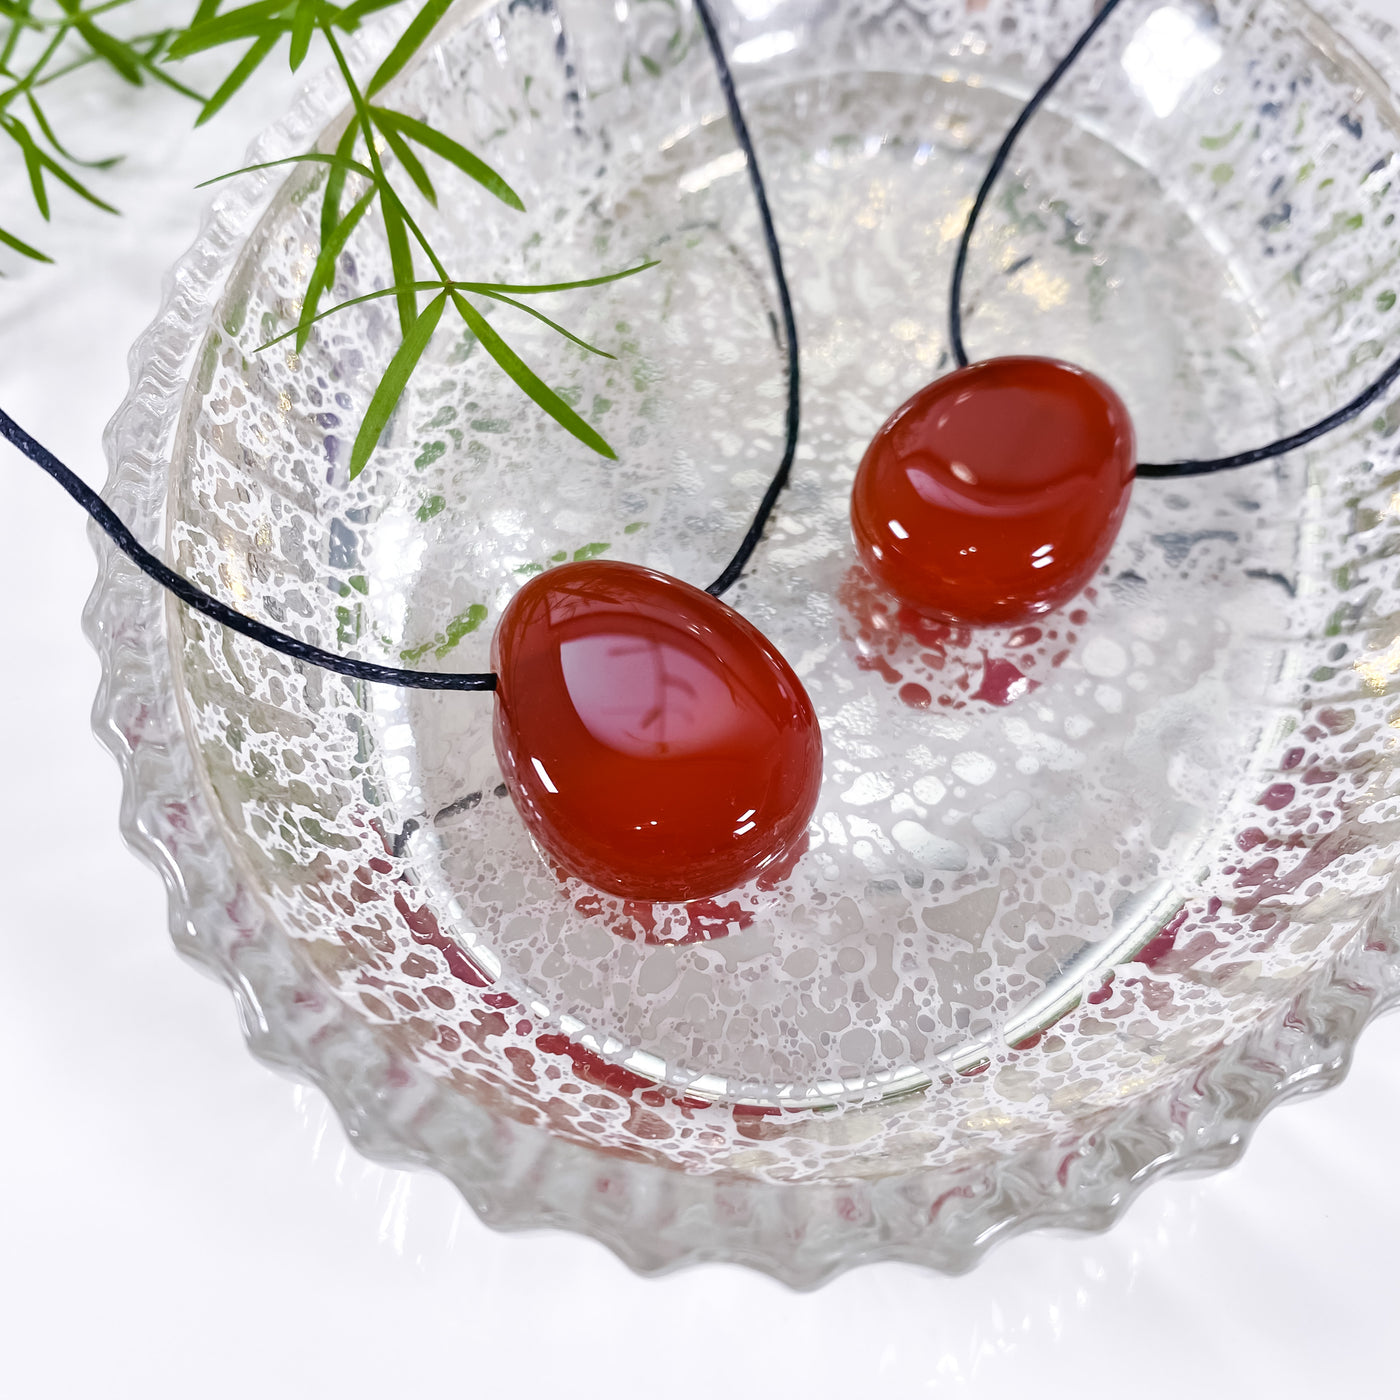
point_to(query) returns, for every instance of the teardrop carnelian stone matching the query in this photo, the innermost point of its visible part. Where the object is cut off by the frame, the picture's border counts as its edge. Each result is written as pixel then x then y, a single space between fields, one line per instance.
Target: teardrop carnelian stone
pixel 656 744
pixel 996 492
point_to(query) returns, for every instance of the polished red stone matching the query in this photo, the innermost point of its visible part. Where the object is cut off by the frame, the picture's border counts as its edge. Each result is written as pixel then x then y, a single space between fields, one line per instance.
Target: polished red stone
pixel 655 743
pixel 995 493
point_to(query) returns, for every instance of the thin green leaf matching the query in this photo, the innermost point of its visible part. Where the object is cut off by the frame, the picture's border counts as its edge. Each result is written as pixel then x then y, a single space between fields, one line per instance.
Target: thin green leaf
pixel 148 63
pixel 20 21
pixel 243 70
pixel 85 59
pixel 323 274
pixel 303 27
pixel 523 289
pixel 602 280
pixel 60 174
pixel 335 184
pixel 408 160
pixel 345 306
pixel 553 325
pixel 351 15
pixel 22 247
pixel 528 380
pixel 249 22
pixel 206 11
pixel 33 164
pixel 400 258
pixel 449 150
pixel 311 158
pixel 391 387
pixel 486 289
pixel 410 41
pixel 92 12
pixel 238 29
pixel 121 56
pixel 43 124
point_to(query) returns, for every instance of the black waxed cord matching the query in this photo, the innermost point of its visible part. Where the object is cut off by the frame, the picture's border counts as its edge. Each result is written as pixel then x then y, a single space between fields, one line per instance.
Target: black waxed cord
pixel 1301 438
pixel 735 567
pixel 994 171
pixel 1186 467
pixel 211 607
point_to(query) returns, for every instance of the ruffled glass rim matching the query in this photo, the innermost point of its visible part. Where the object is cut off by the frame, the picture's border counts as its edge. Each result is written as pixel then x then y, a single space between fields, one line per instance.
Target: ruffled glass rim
pixel 518 1177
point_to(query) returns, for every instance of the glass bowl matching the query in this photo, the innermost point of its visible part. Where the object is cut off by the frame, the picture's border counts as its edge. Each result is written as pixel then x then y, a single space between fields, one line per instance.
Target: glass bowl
pixel 1080 900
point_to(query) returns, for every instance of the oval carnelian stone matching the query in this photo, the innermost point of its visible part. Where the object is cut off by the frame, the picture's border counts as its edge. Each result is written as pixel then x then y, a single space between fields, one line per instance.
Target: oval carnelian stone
pixel 996 492
pixel 656 744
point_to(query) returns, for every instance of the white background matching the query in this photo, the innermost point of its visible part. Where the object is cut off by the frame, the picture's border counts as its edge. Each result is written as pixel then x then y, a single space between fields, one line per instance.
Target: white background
pixel 176 1221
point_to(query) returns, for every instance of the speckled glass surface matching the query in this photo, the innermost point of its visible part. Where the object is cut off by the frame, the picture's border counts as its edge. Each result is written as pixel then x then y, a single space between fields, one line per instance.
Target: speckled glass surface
pixel 1080 900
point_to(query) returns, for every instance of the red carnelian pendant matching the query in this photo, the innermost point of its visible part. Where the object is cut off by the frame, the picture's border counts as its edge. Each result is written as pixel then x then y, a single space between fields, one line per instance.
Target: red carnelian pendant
pixel 995 493
pixel 655 743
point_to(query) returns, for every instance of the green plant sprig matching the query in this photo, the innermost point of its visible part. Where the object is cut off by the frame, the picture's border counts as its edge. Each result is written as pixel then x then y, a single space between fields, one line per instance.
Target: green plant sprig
pixel 41 43
pixel 374 128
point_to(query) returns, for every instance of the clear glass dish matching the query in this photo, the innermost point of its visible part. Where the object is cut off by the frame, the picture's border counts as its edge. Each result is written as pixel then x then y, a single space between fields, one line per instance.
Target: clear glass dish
pixel 1081 901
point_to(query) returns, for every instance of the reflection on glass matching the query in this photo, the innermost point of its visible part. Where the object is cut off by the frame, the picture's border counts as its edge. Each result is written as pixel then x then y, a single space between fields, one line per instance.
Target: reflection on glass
pixel 1167 54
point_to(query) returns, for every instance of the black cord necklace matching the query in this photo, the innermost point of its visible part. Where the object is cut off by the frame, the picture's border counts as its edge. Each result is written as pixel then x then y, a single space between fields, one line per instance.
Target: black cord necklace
pixel 202 602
